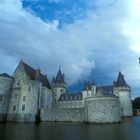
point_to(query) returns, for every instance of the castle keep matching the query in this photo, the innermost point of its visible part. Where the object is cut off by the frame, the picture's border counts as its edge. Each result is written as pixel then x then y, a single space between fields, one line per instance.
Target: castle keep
pixel 27 96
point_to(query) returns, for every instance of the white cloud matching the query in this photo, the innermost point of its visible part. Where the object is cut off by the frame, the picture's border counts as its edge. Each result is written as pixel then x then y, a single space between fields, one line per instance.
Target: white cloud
pixel 40 43
pixel 101 39
pixel 56 1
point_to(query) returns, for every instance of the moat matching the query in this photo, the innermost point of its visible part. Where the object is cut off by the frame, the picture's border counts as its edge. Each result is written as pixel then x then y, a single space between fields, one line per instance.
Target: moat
pixel 129 129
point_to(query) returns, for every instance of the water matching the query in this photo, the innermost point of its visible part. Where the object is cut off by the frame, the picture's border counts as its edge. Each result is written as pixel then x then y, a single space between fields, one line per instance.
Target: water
pixel 128 130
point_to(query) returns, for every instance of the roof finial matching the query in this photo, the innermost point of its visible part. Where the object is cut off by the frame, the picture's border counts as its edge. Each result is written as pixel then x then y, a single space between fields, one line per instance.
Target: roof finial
pixel 119 66
pixel 59 66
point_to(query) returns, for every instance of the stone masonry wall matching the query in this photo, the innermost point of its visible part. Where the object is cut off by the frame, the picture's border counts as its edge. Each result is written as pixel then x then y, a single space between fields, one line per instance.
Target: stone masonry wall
pixel 5 84
pixel 70 104
pixel 102 110
pixel 58 114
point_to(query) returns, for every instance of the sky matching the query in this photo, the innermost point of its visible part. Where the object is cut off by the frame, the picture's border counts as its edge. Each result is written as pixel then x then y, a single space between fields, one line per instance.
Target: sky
pixel 90 39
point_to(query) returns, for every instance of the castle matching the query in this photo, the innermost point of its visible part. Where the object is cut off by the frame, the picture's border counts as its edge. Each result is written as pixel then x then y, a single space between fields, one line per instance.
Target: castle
pixel 27 96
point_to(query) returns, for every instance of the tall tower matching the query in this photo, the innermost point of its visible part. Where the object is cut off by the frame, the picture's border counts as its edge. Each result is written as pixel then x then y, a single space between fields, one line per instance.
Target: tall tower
pixel 123 91
pixel 59 85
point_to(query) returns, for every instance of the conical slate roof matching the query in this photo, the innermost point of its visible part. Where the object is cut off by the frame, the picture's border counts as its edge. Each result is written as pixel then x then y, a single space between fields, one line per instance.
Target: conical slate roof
pixel 59 78
pixel 121 81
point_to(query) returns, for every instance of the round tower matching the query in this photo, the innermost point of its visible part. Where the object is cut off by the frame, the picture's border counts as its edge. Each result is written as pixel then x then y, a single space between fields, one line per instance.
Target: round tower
pixel 5 85
pixel 59 85
pixel 123 91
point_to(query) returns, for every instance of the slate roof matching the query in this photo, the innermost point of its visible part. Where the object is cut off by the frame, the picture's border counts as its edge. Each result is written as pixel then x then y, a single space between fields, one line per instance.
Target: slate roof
pixel 5 75
pixel 70 96
pixel 106 90
pixel 59 78
pixel 32 74
pixel 121 81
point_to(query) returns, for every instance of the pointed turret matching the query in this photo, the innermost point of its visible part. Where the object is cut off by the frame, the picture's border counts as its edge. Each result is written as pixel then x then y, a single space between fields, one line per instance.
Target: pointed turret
pixel 59 78
pixel 59 85
pixel 121 81
pixel 123 91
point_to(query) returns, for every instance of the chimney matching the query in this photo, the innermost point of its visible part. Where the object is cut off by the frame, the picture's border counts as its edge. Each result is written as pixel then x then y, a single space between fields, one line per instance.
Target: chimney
pixel 37 74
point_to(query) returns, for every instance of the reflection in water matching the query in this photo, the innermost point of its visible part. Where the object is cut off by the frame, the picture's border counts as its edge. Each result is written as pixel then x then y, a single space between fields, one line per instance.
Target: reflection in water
pixel 128 130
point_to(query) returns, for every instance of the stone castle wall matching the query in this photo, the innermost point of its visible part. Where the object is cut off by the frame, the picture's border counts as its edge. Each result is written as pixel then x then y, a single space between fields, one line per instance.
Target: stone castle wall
pixel 125 101
pixel 72 111
pixel 5 85
pixel 46 98
pixel 31 100
pixel 102 110
pixel 70 104
pixel 63 114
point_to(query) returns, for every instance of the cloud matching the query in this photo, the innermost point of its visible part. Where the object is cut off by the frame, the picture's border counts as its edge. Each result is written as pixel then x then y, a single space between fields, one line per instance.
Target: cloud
pixel 39 43
pixel 100 42
pixel 56 1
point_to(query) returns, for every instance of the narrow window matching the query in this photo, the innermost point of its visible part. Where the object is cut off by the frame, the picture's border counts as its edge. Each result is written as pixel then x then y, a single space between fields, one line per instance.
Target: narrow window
pixel 14 107
pixel 1 98
pixel 24 98
pixel 23 107
pixel 29 88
